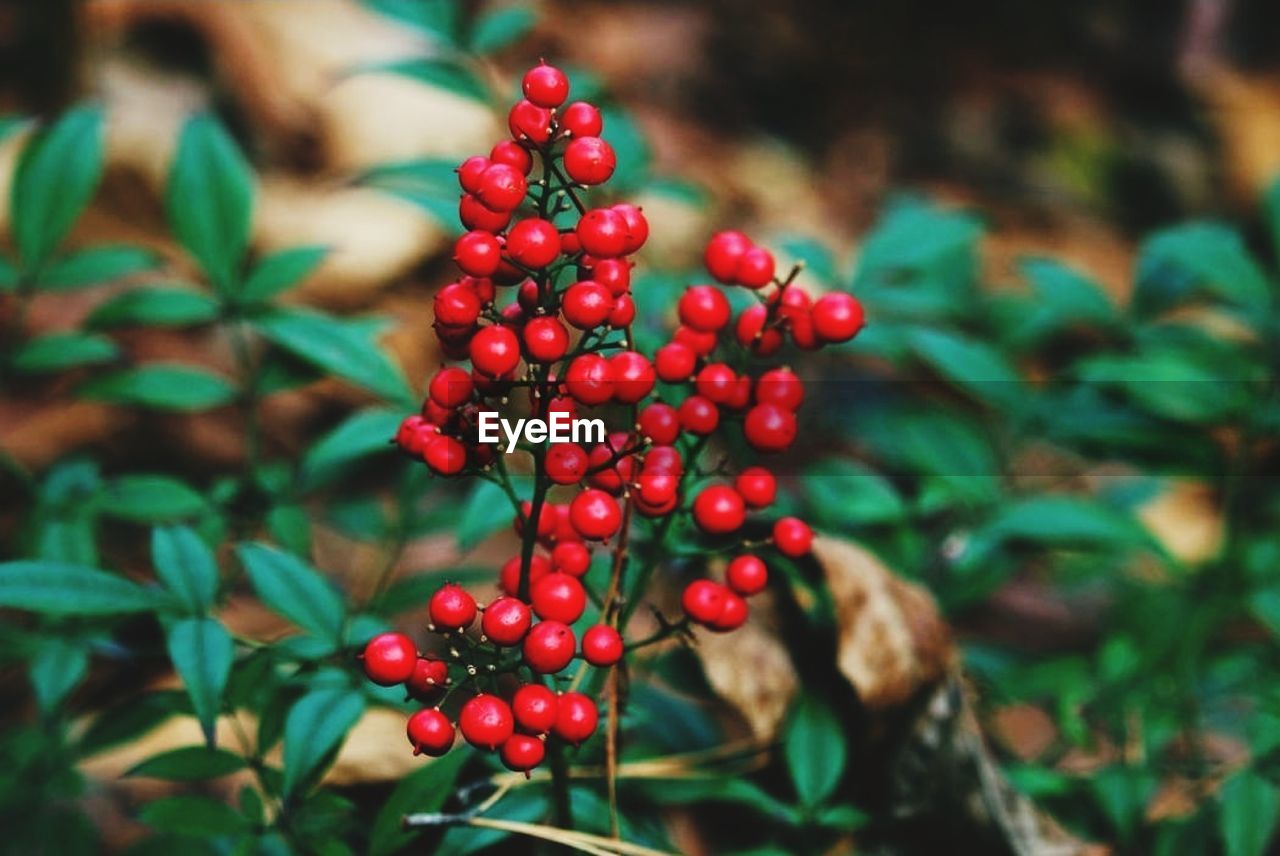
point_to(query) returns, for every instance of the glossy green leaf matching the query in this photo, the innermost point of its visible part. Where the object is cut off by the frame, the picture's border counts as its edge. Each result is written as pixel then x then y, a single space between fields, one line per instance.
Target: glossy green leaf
pixel 525 805
pixel 148 499
pixel 202 652
pixel 210 199
pixel 155 307
pixel 1066 293
pixel 163 387
pixel 814 748
pixel 130 718
pixel 1250 808
pixel 54 588
pixel 281 271
pixel 437 20
pixel 295 590
pixel 186 566
pixel 844 494
pixel 94 266
pixel 486 510
pixel 194 816
pixel 500 27
pixel 56 669
pixel 970 364
pixel 9 275
pixel 363 433
pixel 58 352
pixel 188 764
pixel 56 177
pixel 424 790
pixel 1197 259
pixel 317 724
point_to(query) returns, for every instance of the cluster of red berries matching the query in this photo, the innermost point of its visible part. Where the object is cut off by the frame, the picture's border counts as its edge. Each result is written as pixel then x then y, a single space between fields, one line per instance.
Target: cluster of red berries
pixel 566 340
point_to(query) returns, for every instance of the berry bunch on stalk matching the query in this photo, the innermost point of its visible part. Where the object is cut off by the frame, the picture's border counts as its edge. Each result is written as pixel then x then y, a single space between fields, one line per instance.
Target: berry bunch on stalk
pixel 564 344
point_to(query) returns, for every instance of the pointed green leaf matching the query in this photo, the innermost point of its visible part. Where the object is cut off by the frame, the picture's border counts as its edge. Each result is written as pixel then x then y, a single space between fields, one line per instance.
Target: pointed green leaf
pixel 56 177
pixel 1250 808
pixel 316 725
pixel 185 564
pixel 363 433
pixel 58 666
pixel 814 747
pixel 54 588
pixel 162 386
pixel 281 271
pixel 210 199
pixel 202 652
pixel 155 307
pixel 1197 259
pixel 189 763
pixel 94 266
pixel 423 790
pixel 58 352
pixel 295 590
pixel 500 27
pixel 194 816
pixel 149 499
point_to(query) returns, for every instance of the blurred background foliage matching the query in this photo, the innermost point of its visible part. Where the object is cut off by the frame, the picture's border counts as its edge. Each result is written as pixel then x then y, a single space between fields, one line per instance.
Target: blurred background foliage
pixel 225 225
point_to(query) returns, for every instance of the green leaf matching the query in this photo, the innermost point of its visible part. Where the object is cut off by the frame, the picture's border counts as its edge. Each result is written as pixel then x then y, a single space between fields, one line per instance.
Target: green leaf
pixel 843 494
pixel 971 364
pixel 56 177
pixel 363 433
pixel 844 818
pixel 202 652
pixel 424 790
pixel 1249 811
pixel 8 275
pixel 316 725
pixel 281 271
pixel 54 588
pixel 1065 520
pixel 481 516
pixel 155 307
pixel 194 816
pixel 95 265
pixel 526 805
pixel 438 73
pixel 1066 294
pixel 917 239
pixel 1265 607
pixel 57 667
pixel 188 764
pixel 129 719
pixel 148 499
pixel 210 199
pixel 295 590
pixel 186 566
pixel 162 386
pixel 342 348
pixel 814 747
pixel 429 183
pixel 58 352
pixel 1194 260
pixel 290 527
pixel 500 27
pixel 438 20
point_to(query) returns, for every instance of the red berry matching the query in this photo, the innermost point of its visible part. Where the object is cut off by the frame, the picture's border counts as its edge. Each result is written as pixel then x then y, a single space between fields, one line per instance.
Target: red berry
pixel 486 721
pixel 733 614
pixel 451 387
pixel 545 85
pixel 589 160
pixel 637 230
pixel 521 753
pixel 445 456
pixel 451 608
pixel 534 707
pixel 571 558
pixel 509 575
pixel 506 621
pixel 624 311
pixel 413 434
pixel 602 645
pixel 495 351
pixel 545 339
pixel 589 379
pixel 704 308
pixel 738 394
pixel 502 187
pixel 428 679
pixel 581 119
pixel 769 428
pixel 660 423
pixel 603 233
pixel 698 415
pixel 566 463
pixel 723 253
pixel 837 317
pixel 701 343
pixel 719 510
pixel 663 459
pixel 755 268
pixel 610 470
pixel 792 536
pixel 595 515
pixel 576 718
pixel 456 305
pixel 512 154
pixel 549 647
pixel 674 362
pixel 656 489
pixel 586 304
pixel 529 121
pixel 477 253
pixel 716 382
pixel 746 575
pixel 702 600
pixel 794 309
pixel 558 597
pixel 632 376
pixel 752 334
pixel 475 215
pixel 389 659
pixel 471 171
pixel 757 486
pixel 430 732
pixel 534 243
pixel 613 274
